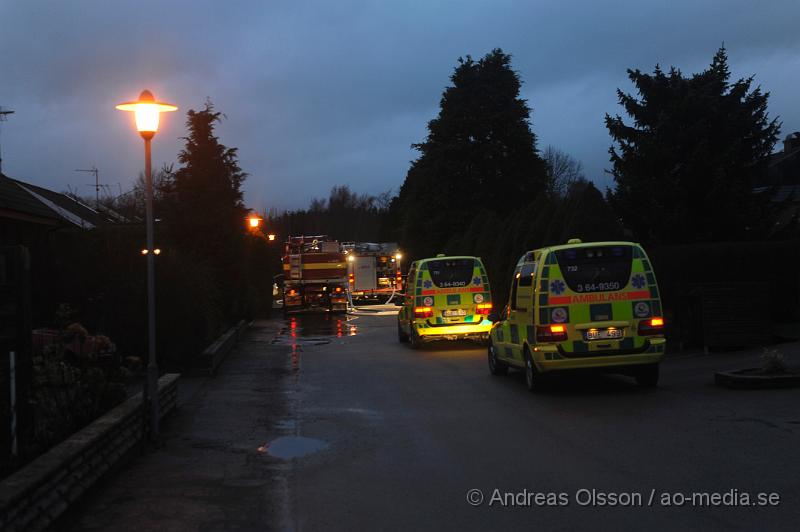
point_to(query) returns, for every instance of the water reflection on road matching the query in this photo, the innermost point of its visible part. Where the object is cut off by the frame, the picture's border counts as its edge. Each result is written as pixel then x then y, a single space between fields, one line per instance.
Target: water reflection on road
pixel 312 329
pixel 315 329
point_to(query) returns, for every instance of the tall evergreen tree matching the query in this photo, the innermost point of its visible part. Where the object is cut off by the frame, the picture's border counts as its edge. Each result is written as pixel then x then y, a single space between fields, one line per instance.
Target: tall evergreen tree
pixel 208 214
pixel 684 170
pixel 480 155
pixel 207 187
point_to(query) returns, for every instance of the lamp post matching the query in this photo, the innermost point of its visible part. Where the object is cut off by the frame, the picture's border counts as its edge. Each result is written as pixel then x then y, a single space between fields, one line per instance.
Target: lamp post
pixel 147 110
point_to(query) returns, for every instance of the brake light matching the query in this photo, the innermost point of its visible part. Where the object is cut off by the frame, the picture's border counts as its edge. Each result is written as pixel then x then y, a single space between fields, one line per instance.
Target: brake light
pixel 551 333
pixel 484 309
pixel 423 312
pixel 338 289
pixel 292 292
pixel 651 326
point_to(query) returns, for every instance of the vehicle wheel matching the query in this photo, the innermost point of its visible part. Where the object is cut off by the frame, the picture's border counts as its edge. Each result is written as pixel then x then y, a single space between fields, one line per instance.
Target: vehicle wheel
pixel 414 339
pixel 647 376
pixel 531 375
pixel 402 337
pixel 495 366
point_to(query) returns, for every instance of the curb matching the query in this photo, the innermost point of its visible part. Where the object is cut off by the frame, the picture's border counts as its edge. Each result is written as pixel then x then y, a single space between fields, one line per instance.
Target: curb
pixel 743 381
pixel 213 355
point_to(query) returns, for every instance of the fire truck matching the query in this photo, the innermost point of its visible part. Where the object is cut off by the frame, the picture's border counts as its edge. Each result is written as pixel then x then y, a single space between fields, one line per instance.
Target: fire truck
pixel 373 270
pixel 315 275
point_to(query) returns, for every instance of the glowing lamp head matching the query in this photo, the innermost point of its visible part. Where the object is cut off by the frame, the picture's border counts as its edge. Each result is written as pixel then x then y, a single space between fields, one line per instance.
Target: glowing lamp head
pixel 271 237
pixel 253 222
pixel 147 111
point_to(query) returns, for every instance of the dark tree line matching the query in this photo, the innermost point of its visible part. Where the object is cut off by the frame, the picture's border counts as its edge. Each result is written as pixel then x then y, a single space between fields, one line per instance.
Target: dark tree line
pixel 344 215
pixel 683 172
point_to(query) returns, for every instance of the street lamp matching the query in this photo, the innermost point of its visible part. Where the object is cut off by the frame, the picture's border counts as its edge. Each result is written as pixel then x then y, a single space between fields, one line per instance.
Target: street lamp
pixel 254 222
pixel 147 111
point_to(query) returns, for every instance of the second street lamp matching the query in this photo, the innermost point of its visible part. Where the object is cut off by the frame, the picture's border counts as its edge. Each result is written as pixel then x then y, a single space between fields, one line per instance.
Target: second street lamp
pixel 147 111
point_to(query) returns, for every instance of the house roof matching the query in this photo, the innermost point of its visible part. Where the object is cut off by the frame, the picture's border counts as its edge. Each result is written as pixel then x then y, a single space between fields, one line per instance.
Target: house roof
pixel 66 207
pixel 16 199
pixel 21 199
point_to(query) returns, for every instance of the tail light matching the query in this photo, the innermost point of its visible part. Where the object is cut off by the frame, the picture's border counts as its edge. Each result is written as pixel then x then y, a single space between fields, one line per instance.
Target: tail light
pixel 423 312
pixel 338 289
pixel 651 326
pixel 292 292
pixel 351 279
pixel 484 309
pixel 551 333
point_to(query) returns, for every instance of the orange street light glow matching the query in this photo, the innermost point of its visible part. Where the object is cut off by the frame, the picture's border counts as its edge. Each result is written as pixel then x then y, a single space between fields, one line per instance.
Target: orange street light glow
pixel 254 222
pixel 271 236
pixel 147 110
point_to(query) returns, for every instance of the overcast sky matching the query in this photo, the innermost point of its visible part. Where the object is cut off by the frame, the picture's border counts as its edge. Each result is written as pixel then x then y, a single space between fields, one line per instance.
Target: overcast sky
pixel 320 93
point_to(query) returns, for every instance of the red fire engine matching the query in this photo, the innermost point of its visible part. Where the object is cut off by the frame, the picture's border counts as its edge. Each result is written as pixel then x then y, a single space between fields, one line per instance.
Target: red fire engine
pixel 315 275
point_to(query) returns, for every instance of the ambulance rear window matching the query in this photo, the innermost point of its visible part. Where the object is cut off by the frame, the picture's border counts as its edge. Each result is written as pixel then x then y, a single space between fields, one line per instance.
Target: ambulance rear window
pixel 449 273
pixel 596 269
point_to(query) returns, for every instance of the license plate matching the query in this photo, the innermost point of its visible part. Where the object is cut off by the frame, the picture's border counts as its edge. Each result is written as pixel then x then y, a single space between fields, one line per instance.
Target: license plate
pixel 454 313
pixel 603 334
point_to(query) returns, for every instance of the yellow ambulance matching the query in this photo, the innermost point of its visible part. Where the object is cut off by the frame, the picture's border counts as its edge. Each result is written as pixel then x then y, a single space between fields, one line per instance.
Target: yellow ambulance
pixel 446 298
pixel 581 305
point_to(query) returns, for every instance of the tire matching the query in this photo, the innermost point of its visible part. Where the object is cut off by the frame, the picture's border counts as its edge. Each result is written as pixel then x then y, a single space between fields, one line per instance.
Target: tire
pixel 402 337
pixel 496 367
pixel 414 339
pixel 647 376
pixel 532 376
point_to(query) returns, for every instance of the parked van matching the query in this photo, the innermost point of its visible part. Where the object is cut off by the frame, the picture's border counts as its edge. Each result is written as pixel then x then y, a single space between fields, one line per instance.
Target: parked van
pixel 581 305
pixel 446 298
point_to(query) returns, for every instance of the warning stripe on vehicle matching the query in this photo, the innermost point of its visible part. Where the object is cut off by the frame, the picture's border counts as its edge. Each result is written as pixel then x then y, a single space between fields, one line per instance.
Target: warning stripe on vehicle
pixel 452 290
pixel 598 297
pixel 322 265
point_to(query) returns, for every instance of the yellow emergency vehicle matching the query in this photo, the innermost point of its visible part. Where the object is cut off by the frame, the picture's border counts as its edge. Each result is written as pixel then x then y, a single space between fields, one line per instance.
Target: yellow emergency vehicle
pixel 446 298
pixel 581 305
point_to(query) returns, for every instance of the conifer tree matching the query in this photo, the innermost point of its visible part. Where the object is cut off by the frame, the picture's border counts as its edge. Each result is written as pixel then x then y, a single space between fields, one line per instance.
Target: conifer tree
pixel 684 169
pixel 480 155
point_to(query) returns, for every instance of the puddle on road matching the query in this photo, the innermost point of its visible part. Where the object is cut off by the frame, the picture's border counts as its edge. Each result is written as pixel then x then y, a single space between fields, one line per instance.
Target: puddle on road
pixel 288 447
pixel 315 329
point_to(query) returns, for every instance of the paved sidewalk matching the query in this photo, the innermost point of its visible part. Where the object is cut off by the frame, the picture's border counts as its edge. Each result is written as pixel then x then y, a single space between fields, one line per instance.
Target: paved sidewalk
pixel 209 474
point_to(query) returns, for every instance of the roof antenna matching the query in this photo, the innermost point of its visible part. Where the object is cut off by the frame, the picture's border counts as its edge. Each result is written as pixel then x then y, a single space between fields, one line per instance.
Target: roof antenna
pixel 96 172
pixel 3 114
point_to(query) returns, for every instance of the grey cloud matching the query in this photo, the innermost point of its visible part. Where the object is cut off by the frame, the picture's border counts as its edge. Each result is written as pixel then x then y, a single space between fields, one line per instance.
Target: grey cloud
pixel 319 93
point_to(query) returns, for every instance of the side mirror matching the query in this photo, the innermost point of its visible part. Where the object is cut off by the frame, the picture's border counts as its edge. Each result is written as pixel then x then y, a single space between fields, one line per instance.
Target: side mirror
pixel 493 317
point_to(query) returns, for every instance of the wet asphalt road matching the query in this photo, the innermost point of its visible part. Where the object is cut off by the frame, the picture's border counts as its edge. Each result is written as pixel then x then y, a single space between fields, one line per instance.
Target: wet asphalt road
pixel 394 439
